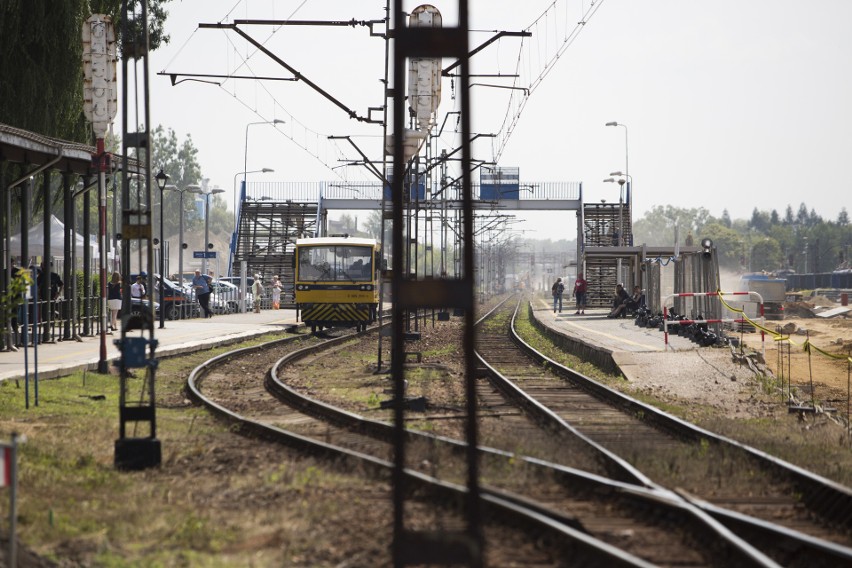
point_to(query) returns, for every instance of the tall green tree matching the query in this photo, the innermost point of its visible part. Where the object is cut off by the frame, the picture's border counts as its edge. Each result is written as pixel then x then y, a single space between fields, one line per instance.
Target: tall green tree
pixel 657 227
pixel 178 160
pixel 41 62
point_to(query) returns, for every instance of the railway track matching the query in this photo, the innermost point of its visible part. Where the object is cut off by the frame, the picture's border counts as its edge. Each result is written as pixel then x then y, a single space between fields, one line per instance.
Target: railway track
pixel 653 525
pixel 785 511
pixel 298 426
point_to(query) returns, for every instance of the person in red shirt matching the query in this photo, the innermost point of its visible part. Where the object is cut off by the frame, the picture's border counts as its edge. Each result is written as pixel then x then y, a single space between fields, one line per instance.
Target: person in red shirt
pixel 580 286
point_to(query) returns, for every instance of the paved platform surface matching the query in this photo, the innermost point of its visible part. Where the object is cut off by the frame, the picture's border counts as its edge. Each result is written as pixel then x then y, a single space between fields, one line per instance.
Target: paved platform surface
pixel 625 341
pixel 65 357
pixel 620 334
pixel 639 353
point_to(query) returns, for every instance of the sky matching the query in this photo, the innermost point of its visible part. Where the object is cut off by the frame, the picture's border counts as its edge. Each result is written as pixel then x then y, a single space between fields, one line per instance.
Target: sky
pixel 727 104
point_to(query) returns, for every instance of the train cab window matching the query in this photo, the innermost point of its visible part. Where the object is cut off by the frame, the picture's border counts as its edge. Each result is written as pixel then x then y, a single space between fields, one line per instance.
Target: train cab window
pixel 336 263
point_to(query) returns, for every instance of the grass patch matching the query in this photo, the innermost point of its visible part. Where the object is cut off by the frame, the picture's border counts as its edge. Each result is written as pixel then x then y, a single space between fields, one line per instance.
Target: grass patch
pixel 214 494
pixel 527 331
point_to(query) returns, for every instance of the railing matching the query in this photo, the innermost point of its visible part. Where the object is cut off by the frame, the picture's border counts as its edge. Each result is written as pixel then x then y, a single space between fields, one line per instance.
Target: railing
pixel 310 191
pixel 752 295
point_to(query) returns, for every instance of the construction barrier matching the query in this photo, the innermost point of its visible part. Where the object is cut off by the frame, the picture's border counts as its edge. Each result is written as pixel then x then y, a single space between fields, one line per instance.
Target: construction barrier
pixel 744 319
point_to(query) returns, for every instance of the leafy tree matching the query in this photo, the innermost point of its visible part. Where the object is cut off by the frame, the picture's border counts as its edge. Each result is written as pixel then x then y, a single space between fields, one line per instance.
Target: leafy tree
pixel 813 218
pixel 774 219
pixel 766 255
pixel 843 217
pixel 373 224
pixel 802 215
pixel 759 220
pixel 729 245
pixel 726 218
pixel 788 216
pixel 180 162
pixel 657 227
pixel 41 62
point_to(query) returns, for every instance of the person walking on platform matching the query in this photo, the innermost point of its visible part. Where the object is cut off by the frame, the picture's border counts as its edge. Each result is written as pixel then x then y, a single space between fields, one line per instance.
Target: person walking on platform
pixel 580 287
pixel 557 290
pixel 201 285
pixel 114 300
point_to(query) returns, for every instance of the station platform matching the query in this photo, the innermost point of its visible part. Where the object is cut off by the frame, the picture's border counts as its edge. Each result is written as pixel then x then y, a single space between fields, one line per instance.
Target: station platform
pixel 618 334
pixel 178 336
pixel 618 345
pixel 682 370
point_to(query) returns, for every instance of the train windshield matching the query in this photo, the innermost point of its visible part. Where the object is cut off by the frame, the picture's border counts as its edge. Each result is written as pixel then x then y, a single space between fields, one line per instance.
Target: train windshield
pixel 336 263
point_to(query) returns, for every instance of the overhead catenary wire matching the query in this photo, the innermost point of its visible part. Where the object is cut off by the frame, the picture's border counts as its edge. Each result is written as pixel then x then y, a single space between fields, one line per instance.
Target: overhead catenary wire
pixel 518 98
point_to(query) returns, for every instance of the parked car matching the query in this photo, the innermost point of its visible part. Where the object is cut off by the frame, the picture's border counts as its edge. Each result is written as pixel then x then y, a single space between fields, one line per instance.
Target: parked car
pixel 236 281
pixel 229 294
pixel 138 305
pixel 173 295
pixel 217 304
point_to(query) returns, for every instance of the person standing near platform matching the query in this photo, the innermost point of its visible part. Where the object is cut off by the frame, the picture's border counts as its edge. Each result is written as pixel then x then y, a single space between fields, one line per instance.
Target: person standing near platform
pixel 114 300
pixel 557 290
pixel 201 285
pixel 137 289
pixel 257 292
pixel 580 287
pixel 276 293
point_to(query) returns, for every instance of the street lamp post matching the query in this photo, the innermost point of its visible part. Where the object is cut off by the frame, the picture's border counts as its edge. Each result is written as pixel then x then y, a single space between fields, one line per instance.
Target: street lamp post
pixel 236 193
pixel 624 197
pixel 162 178
pixel 206 192
pixel 627 196
pixel 620 181
pixel 626 160
pixel 245 159
pixel 191 189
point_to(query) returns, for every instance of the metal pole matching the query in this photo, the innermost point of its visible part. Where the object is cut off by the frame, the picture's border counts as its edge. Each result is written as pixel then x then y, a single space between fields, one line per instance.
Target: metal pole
pixel 103 366
pixel 116 266
pixel 180 254
pixel 162 179
pixel 162 258
pixel 13 501
pixel 206 230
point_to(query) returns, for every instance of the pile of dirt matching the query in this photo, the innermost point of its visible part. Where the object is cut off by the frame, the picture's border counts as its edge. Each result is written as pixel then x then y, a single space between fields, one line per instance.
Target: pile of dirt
pixel 798 310
pixel 822 302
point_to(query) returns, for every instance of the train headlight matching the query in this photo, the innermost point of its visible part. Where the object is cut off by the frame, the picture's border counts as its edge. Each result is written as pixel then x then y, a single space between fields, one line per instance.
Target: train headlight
pixel 366 287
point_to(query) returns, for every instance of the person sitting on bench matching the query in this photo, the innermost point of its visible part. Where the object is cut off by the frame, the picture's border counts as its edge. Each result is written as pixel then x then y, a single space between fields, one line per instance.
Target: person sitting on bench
pixel 636 301
pixel 619 302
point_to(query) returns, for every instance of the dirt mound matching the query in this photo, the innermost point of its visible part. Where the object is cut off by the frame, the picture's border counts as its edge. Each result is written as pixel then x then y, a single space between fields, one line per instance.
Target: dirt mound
pixel 822 302
pixel 798 310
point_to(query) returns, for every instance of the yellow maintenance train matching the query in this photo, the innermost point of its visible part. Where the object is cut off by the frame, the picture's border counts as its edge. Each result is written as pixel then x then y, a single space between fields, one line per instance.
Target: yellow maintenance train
pixel 337 281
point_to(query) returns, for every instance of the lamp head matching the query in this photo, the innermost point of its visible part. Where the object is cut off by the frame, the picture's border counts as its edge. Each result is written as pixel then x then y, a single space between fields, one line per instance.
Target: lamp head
pixel 612 123
pixel 162 179
pixel 267 170
pixel 278 121
pixel 609 180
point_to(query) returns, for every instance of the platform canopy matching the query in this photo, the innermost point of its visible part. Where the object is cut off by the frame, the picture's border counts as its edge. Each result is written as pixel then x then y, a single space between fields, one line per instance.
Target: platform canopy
pixel 57 241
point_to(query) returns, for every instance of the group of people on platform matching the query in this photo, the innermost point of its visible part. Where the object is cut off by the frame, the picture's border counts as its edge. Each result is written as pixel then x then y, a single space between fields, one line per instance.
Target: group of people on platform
pixel 579 293
pixel 202 285
pixel 622 301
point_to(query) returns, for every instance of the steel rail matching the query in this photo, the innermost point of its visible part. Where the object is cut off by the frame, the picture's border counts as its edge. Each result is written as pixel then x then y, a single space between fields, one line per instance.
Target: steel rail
pixel 583 548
